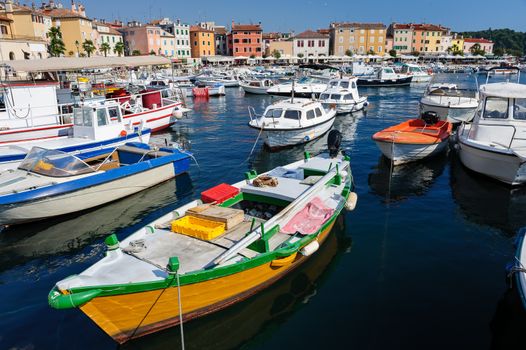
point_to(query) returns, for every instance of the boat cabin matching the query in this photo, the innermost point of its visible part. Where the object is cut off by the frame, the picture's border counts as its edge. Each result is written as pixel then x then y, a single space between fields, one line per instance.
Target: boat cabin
pixel 500 118
pixel 24 101
pixel 99 121
pixel 341 90
pixel 412 69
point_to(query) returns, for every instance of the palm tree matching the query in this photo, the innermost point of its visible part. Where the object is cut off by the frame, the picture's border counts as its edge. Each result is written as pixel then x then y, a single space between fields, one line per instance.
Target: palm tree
pixel 56 44
pixel 105 47
pixel 88 46
pixel 119 48
pixel 77 45
pixel 276 54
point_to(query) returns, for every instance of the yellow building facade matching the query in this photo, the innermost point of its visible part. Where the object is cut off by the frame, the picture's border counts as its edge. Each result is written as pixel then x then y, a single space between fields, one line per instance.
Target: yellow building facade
pixel 202 42
pixel 359 38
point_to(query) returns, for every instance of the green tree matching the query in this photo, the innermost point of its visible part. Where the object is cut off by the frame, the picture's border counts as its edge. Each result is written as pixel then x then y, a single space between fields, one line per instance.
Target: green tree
pixel 415 53
pixel 276 54
pixel 136 53
pixel 506 39
pixel 152 52
pixel 370 52
pixel 77 45
pixel 105 48
pixel 499 51
pixel 348 53
pixel 477 50
pixel 392 53
pixel 88 47
pixel 56 46
pixel 119 48
pixel 300 55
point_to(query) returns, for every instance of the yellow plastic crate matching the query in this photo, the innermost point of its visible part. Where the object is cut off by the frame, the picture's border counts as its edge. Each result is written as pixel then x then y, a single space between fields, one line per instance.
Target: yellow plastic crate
pixel 198 228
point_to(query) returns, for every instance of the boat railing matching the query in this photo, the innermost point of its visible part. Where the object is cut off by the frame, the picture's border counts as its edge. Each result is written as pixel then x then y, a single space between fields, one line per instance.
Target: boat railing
pixel 31 116
pixel 505 144
pixel 253 115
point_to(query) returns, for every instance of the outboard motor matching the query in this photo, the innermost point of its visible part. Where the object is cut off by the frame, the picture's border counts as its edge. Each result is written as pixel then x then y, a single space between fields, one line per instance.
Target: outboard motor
pixel 430 117
pixel 334 141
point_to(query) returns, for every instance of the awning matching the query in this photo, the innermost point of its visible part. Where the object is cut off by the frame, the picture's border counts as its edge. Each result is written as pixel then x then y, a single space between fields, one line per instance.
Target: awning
pixel 55 64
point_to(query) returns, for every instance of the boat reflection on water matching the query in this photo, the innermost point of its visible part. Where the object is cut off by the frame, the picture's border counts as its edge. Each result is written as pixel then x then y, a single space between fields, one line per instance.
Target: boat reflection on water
pixel 487 202
pixel 508 323
pixel 240 323
pixel 69 233
pixel 411 179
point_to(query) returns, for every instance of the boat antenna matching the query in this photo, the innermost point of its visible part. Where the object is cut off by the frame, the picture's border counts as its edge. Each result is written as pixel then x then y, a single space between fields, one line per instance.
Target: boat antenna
pixel 292 99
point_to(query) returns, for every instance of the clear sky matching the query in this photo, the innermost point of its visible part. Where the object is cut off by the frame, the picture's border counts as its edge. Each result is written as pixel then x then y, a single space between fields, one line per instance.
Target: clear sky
pixel 296 15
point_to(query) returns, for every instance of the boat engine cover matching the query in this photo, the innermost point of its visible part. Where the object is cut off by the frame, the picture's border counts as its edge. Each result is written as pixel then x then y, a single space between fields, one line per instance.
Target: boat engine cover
pixel 430 117
pixel 334 141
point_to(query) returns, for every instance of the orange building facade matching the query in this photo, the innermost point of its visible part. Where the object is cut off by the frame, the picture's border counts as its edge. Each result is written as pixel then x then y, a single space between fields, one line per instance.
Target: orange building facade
pixel 202 42
pixel 246 40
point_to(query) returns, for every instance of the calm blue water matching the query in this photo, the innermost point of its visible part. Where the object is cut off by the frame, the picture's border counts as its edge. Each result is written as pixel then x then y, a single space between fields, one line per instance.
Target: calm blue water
pixel 418 265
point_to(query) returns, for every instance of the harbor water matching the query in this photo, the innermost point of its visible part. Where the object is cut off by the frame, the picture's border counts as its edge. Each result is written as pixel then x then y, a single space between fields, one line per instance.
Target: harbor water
pixel 419 264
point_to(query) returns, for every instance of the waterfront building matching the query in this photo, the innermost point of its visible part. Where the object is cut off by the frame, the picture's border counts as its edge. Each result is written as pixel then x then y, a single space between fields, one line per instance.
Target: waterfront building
pixel 23 32
pixel 141 39
pixel 421 38
pixel 167 44
pixel 202 42
pixel 268 38
pixel 310 43
pixel 220 34
pixel 457 43
pixel 181 32
pixel 284 47
pixel 74 25
pixel 359 38
pixel 484 44
pixel 245 40
pixel 105 33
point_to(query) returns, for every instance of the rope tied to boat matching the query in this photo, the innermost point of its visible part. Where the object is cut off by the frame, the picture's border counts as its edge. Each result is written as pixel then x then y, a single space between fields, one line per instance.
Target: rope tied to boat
pixel 518 267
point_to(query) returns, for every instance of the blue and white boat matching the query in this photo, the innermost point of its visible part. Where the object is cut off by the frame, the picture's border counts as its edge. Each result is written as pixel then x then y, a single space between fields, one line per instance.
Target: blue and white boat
pixel 95 127
pixel 50 183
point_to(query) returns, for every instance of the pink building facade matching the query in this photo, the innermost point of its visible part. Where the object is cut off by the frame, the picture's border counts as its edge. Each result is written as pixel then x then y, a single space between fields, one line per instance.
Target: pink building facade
pixel 143 38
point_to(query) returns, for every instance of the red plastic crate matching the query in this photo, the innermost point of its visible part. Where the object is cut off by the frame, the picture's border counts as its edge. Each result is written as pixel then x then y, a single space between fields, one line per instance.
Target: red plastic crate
pixel 219 193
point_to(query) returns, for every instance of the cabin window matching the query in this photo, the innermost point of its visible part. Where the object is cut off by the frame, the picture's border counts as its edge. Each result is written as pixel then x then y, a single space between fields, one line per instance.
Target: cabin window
pixel 2 101
pixel 333 84
pixel 336 97
pixel 82 116
pixel 101 117
pixel 354 85
pixel 344 84
pixel 273 113
pixel 324 96
pixel 318 112
pixel 310 114
pixel 292 114
pixel 519 109
pixel 113 113
pixel 496 108
pixel 388 70
pixel 347 97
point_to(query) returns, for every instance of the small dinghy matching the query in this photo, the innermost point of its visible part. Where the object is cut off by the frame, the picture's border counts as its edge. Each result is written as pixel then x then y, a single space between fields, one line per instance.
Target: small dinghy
pixel 213 252
pixel 50 183
pixel 414 139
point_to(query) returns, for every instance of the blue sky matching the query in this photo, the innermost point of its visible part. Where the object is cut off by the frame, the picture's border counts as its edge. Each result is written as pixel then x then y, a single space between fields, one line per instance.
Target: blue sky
pixel 276 15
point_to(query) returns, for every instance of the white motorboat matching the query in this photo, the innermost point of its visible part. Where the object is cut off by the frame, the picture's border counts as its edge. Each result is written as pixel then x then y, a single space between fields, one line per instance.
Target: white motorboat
pixel 50 183
pixel 94 127
pixel 385 77
pixel 304 87
pixel 494 144
pixel 450 101
pixel 257 86
pixel 418 73
pixel 343 95
pixel 293 121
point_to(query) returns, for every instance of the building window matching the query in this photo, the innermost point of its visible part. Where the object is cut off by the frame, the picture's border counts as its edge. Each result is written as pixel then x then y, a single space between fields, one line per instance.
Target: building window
pixel 371 39
pixel 362 39
pixel 341 39
pixel 379 49
pixel 321 43
pixel 3 30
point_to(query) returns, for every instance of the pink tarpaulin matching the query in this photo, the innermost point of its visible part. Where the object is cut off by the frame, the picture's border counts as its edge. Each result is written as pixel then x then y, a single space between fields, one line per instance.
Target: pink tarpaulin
pixel 309 219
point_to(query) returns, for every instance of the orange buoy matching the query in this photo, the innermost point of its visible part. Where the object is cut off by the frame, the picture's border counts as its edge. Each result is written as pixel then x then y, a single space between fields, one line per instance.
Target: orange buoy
pixel 123 133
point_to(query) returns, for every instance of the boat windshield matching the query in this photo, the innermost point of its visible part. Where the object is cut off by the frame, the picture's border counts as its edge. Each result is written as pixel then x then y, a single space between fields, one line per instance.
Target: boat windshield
pixel 274 113
pixel 324 96
pixel 53 163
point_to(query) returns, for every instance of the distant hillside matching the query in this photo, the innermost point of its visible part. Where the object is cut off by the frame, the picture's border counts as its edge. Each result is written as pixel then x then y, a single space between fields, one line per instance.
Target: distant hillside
pixel 506 40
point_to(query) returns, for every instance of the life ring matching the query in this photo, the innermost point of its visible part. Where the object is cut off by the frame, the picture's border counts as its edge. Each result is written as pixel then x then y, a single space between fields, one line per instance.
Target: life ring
pixel 123 133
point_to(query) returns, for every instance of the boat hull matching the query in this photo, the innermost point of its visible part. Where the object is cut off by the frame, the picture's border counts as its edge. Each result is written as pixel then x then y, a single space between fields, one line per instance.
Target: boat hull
pixel 42 132
pixel 401 153
pixel 505 167
pixel 255 90
pixel 85 198
pixel 276 139
pixel 129 316
pixel 156 120
pixel 384 82
pixel 452 114
pixel 344 108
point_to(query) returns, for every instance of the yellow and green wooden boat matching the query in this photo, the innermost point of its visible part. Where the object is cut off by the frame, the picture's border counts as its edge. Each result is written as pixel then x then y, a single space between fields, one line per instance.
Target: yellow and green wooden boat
pixel 204 257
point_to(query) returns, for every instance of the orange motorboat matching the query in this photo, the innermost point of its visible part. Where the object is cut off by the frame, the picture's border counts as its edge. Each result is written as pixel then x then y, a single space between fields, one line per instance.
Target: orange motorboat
pixel 414 139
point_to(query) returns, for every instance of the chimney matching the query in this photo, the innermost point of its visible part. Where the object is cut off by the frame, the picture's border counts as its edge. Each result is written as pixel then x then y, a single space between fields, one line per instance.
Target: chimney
pixel 8 6
pixel 73 7
pixel 82 10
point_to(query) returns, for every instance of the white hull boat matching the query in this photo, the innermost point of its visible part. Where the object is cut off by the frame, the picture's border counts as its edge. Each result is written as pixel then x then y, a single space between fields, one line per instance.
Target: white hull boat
pixel 305 88
pixel 449 102
pixel 495 143
pixel 257 87
pixel 405 153
pixel 292 122
pixel 343 96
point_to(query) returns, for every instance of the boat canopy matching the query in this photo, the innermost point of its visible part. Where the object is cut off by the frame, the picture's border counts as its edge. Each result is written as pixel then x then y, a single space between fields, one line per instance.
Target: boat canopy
pixel 53 163
pixel 504 90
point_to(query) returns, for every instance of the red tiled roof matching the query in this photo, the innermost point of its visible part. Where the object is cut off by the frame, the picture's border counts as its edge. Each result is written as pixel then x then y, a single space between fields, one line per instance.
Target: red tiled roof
pixel 220 30
pixel 358 25
pixel 64 13
pixel 309 34
pixel 200 29
pixel 420 27
pixel 248 27
pixel 478 40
